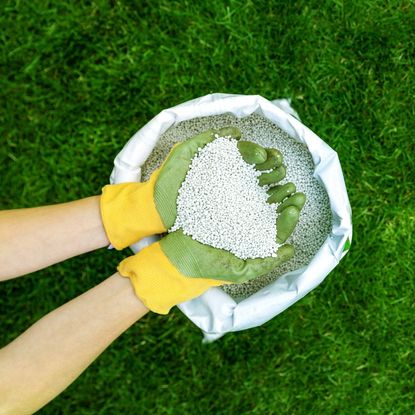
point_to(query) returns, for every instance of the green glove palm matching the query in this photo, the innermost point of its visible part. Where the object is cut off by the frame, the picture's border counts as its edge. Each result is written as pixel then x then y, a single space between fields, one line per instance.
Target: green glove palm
pixel 197 260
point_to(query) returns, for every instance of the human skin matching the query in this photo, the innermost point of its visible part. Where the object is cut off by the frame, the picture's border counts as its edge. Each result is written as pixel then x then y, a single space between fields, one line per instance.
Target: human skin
pixel 34 238
pixel 53 352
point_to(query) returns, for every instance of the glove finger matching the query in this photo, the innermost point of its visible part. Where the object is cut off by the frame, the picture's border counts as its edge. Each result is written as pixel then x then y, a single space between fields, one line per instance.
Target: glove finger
pixel 197 141
pixel 297 200
pixel 272 177
pixel 274 160
pixel 278 193
pixel 192 145
pixel 231 132
pixel 286 222
pixel 252 153
pixel 261 266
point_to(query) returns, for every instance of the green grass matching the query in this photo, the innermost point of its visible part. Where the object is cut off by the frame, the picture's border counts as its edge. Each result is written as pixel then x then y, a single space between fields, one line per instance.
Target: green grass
pixel 76 81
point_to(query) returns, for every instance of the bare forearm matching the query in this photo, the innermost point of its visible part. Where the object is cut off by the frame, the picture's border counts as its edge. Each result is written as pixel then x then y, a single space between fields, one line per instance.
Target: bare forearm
pixel 51 354
pixel 31 239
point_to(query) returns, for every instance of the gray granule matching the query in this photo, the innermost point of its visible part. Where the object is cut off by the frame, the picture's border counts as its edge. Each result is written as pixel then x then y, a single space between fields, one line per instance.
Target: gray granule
pixel 316 219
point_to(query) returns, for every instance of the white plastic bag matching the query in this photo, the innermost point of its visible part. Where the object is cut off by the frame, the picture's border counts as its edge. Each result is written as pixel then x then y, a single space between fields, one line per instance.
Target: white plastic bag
pixel 215 312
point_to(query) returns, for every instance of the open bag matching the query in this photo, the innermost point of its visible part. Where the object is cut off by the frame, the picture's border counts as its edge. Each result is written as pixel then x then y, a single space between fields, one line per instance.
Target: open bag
pixel 215 312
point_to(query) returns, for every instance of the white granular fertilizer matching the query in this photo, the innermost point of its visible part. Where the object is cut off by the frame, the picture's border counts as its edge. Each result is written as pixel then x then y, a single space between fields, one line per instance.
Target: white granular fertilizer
pixel 315 220
pixel 221 204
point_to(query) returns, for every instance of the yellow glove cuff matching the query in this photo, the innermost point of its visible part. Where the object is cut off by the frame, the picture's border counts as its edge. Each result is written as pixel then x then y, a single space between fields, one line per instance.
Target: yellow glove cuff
pixel 157 283
pixel 129 212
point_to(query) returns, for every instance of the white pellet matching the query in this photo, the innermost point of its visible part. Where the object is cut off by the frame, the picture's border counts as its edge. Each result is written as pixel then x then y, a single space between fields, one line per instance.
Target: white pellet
pixel 316 218
pixel 220 203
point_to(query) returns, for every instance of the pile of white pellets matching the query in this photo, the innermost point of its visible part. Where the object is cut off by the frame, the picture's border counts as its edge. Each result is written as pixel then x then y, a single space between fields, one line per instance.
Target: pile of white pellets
pixel 315 220
pixel 221 204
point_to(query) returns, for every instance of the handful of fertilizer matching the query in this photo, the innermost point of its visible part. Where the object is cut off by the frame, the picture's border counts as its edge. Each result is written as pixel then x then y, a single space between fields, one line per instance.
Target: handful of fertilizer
pixel 230 198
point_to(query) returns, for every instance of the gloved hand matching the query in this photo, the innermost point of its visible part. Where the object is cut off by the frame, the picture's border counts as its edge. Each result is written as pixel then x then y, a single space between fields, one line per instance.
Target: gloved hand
pixel 131 211
pixel 177 268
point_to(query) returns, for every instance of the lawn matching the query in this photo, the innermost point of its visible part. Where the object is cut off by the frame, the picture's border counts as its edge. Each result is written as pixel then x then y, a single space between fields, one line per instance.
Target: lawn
pixel 77 79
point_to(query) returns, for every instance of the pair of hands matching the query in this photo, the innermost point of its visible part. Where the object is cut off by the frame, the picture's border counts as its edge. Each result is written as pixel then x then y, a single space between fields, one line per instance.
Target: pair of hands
pixel 177 268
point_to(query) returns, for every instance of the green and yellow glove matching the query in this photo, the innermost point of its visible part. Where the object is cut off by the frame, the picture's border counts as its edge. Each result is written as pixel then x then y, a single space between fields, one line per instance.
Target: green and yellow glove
pixel 177 268
pixel 131 211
